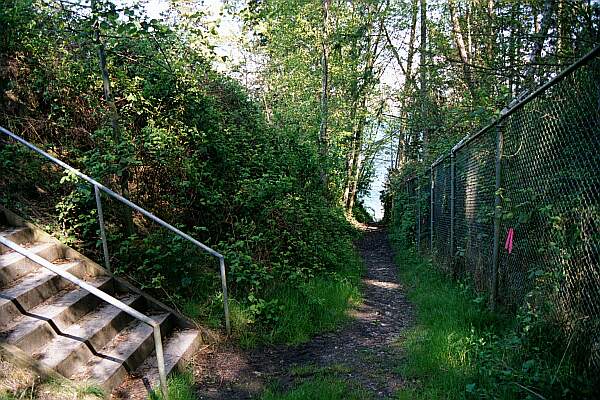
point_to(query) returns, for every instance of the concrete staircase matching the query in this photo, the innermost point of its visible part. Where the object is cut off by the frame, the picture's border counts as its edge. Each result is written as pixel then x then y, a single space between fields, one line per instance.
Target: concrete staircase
pixel 70 331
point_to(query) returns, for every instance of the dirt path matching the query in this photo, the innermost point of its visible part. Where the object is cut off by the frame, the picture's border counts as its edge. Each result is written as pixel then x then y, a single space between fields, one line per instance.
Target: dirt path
pixel 364 352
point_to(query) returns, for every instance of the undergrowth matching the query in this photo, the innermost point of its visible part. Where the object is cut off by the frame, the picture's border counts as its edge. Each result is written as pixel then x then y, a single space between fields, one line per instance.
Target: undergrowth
pixel 180 387
pixel 459 349
pixel 18 383
pixel 193 148
pixel 319 383
pixel 295 313
pixel 315 383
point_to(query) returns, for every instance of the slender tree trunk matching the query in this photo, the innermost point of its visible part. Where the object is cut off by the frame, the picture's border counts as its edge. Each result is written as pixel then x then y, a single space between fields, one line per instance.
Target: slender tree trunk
pixel 323 133
pixel 538 43
pixel 362 93
pixel 401 152
pixel 350 159
pixel 492 36
pixel 123 180
pixel 354 161
pixel 423 67
pixel 463 51
pixel 367 80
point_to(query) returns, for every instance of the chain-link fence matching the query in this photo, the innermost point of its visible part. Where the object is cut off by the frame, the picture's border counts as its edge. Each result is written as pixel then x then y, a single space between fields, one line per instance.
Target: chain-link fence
pixel 515 208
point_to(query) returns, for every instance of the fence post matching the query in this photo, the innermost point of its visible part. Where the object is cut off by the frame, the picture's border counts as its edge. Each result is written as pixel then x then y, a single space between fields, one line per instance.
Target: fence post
pixel 418 205
pixel 497 216
pixel 452 176
pixel 431 211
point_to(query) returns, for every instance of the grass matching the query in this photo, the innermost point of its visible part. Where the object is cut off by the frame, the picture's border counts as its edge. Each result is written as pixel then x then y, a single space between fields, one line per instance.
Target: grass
pixel 315 383
pixel 438 359
pixel 459 349
pixel 320 388
pixel 181 387
pixel 318 383
pixel 296 313
pixel 18 383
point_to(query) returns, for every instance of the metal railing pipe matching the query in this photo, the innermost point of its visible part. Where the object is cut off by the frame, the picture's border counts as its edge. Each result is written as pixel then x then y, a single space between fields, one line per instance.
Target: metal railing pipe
pixel 103 296
pixel 224 288
pixel 98 186
pixel 102 230
pixel 110 192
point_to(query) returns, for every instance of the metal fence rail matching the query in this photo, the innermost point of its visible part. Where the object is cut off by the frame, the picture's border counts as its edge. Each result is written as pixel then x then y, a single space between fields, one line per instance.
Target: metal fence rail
pixel 516 206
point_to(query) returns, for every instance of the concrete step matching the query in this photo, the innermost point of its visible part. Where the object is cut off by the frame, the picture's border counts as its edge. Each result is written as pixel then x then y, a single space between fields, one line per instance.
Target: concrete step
pixel 33 289
pixel 68 352
pixel 123 354
pixel 38 326
pixel 20 235
pixel 14 266
pixel 178 349
pixel 73 332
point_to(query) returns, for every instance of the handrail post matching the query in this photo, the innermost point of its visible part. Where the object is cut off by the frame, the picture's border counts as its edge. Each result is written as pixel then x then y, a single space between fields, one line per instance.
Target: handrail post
pixel 225 299
pixel 160 360
pixel 102 230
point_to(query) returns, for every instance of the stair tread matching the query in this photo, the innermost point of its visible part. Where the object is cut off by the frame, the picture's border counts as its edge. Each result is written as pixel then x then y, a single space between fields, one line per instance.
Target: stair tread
pixel 47 310
pixel 12 256
pixel 73 332
pixel 176 346
pixel 115 354
pixel 81 331
pixel 17 234
pixel 33 280
pixel 6 231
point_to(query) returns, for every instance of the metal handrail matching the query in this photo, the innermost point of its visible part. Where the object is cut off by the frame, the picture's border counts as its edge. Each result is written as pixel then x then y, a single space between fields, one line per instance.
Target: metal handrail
pixel 160 359
pixel 99 187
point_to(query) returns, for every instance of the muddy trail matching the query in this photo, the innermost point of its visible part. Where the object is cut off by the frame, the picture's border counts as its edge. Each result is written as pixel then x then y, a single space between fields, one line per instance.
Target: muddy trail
pixel 365 352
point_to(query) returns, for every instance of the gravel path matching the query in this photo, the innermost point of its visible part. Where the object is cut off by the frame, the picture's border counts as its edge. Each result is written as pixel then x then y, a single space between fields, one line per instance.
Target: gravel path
pixel 365 352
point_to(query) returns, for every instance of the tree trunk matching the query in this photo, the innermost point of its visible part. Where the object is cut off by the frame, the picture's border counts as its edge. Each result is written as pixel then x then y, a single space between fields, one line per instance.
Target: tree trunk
pixel 323 133
pixel 538 42
pixel 126 213
pixel 361 93
pixel 423 67
pixel 463 51
pixel 401 152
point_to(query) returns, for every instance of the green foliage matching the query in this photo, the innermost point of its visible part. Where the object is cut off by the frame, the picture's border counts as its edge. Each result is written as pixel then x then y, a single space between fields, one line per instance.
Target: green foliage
pixel 180 387
pixel 190 146
pixel 296 312
pixel 318 389
pixel 315 382
pixel 361 214
pixel 459 349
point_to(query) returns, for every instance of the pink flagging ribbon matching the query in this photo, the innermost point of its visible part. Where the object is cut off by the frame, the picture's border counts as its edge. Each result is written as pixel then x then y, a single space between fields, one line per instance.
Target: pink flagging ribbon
pixel 509 240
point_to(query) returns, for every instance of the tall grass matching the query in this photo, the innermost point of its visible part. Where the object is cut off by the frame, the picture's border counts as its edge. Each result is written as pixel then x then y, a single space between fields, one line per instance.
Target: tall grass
pixel 321 388
pixel 300 311
pixel 180 387
pixel 459 349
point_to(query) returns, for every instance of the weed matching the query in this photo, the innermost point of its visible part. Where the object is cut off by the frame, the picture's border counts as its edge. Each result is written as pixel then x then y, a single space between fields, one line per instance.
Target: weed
pixel 319 388
pixel 181 387
pixel 459 349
